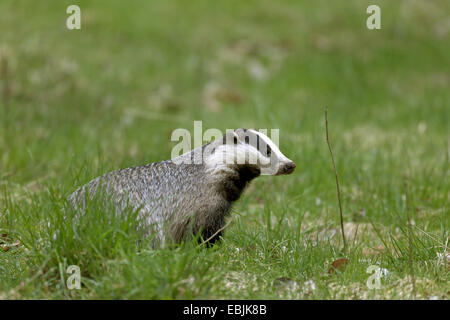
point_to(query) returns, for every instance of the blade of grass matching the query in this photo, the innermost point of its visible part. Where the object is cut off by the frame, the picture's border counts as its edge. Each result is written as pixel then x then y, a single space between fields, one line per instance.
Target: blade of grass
pixel 337 180
pixel 408 223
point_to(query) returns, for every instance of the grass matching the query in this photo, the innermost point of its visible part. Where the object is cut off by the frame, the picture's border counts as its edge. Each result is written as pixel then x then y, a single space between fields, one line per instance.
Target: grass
pixel 82 103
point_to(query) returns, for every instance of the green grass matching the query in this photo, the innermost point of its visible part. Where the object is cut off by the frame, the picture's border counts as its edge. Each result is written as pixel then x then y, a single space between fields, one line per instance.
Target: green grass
pixel 82 103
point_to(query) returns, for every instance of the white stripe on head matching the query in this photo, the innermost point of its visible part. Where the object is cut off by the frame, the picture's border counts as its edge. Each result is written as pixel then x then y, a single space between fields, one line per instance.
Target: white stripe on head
pixel 244 146
pixel 277 159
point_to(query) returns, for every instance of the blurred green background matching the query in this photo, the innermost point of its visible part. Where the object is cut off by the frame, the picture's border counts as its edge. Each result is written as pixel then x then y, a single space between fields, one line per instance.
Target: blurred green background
pixel 78 103
pixel 138 69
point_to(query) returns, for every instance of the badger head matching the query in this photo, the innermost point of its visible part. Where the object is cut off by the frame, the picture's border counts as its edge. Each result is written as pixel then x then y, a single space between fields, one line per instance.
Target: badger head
pixel 250 149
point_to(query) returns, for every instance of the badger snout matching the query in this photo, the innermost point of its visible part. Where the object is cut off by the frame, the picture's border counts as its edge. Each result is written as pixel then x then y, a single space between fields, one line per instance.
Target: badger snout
pixel 286 168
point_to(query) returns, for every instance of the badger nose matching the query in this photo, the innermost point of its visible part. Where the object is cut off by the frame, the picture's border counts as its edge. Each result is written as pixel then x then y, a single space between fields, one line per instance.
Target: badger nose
pixel 288 168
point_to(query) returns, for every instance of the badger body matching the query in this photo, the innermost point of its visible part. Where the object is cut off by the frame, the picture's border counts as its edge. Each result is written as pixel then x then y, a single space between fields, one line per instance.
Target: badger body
pixel 180 197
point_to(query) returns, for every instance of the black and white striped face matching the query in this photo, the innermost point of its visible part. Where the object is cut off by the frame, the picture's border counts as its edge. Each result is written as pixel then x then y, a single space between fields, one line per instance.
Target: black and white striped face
pixel 250 147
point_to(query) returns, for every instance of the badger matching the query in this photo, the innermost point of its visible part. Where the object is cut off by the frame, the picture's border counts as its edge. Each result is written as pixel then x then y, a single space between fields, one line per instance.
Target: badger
pixel 181 197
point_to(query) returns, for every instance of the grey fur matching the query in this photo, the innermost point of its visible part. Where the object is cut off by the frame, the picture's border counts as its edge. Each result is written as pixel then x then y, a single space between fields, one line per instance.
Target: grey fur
pixel 174 200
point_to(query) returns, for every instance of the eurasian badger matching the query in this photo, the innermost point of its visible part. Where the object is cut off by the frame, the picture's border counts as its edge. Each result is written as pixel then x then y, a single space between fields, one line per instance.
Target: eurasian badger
pixel 183 196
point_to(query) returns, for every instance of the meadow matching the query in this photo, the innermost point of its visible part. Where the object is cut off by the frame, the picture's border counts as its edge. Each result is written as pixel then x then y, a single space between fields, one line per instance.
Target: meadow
pixel 75 104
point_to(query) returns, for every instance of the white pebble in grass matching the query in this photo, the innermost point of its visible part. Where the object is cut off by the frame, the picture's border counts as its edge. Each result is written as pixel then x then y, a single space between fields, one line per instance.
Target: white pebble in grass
pixel 257 71
pixel 310 285
pixel 318 201
pixel 422 127
pixel 442 257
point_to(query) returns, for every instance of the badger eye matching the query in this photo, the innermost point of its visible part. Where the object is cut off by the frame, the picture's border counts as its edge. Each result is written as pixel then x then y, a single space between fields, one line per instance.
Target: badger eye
pixel 269 151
